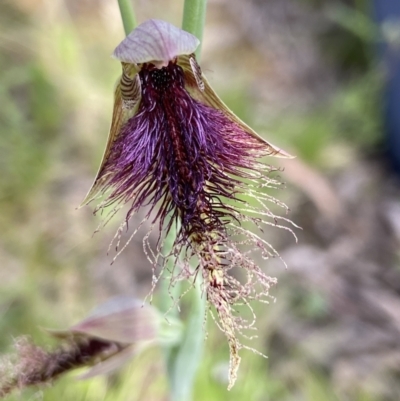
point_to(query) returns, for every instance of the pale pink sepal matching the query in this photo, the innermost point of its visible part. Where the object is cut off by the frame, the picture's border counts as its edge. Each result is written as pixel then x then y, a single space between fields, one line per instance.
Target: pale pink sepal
pixel 123 320
pixel 155 40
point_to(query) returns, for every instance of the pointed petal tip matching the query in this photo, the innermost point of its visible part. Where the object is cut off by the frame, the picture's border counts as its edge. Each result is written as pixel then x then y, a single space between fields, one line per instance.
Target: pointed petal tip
pixel 278 152
pixel 155 40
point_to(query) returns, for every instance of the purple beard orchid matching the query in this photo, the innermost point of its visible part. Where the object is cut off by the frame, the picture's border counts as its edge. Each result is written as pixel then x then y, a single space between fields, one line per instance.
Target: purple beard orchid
pixel 176 147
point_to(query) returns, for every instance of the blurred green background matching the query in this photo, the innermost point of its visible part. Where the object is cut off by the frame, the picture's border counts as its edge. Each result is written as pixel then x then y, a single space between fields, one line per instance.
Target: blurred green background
pixel 304 74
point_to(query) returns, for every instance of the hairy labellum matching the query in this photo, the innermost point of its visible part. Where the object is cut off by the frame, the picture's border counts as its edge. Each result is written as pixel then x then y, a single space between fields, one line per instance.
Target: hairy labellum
pixel 179 154
pixel 175 147
pixel 173 143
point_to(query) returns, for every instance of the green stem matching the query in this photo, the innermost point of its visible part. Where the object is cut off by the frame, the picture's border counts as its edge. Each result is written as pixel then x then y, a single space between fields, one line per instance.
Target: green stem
pixel 182 360
pixel 185 359
pixel 169 294
pixel 127 15
pixel 194 17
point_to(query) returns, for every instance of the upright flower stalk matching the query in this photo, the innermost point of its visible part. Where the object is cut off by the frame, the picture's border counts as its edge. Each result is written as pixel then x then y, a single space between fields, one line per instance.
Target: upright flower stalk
pixel 127 15
pixel 194 16
pixel 176 148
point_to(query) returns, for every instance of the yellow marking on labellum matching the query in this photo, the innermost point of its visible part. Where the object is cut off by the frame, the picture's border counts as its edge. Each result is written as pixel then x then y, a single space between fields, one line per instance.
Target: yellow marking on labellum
pixel 216 277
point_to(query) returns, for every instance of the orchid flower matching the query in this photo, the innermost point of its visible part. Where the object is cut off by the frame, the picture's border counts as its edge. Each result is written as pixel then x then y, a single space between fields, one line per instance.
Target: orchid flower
pixel 175 147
